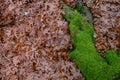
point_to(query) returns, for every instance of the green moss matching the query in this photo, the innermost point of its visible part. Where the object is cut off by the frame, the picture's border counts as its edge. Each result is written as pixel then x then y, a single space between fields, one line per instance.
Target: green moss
pixel 85 12
pixel 91 64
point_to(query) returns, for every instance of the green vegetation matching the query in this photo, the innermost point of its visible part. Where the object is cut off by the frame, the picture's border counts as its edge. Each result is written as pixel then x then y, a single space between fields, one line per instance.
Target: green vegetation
pixel 89 61
pixel 85 12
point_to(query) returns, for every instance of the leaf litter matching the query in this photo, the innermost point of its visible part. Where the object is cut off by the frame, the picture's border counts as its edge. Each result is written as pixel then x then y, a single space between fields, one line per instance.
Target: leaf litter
pixel 36 46
pixel 106 14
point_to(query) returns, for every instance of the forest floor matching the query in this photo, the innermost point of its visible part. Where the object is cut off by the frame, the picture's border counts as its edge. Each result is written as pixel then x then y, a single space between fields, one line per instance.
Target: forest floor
pixel 106 18
pixel 35 39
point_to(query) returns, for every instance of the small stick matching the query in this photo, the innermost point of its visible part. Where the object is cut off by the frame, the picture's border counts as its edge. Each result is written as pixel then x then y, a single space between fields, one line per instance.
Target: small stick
pixel 6 22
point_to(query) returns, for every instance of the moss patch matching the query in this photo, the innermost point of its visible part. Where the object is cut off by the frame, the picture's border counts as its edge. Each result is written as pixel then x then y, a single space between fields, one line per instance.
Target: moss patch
pixel 91 64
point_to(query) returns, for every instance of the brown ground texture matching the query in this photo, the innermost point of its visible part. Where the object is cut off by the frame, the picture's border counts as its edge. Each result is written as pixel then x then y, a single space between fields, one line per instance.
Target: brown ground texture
pixel 34 41
pixel 106 14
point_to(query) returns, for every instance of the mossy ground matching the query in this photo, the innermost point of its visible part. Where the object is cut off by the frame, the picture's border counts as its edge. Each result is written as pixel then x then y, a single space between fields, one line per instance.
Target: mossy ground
pixel 91 64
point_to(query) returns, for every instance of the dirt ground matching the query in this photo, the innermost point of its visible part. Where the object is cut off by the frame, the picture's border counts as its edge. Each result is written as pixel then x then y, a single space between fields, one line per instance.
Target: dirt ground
pixel 34 41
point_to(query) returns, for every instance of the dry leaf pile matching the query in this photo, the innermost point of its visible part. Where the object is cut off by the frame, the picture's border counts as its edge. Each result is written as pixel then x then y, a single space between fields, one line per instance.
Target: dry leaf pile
pixel 35 46
pixel 106 15
pixel 71 3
